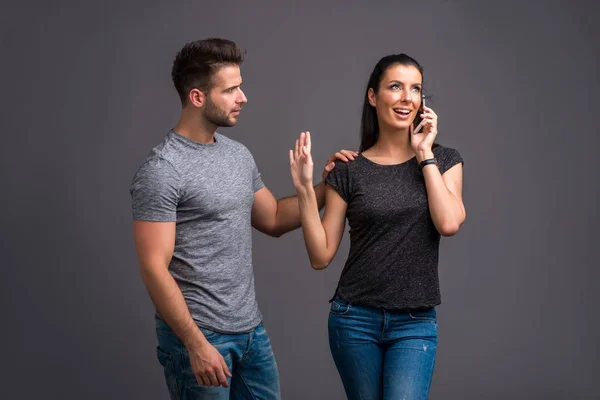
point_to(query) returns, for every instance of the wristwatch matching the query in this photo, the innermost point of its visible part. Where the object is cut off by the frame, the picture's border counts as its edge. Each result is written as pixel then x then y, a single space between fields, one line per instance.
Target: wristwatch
pixel 427 162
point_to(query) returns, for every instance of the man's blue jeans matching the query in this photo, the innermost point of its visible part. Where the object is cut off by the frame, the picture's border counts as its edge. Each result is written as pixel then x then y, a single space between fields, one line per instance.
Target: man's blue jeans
pixel 380 354
pixel 249 358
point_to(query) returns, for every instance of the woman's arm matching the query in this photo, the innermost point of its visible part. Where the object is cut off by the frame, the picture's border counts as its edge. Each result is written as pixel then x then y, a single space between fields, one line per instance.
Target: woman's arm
pixel 322 238
pixel 444 193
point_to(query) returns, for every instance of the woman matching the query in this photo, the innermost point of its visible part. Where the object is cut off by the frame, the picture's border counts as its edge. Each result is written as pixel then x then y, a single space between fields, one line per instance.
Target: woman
pixel 400 194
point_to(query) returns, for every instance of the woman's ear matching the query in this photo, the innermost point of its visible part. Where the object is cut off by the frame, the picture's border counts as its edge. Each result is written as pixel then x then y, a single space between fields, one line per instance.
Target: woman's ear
pixel 371 96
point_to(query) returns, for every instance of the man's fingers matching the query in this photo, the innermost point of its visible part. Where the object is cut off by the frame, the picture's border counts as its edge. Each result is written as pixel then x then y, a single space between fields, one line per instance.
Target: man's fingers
pixel 212 378
pixel 348 153
pixel 201 380
pixel 225 367
pixel 222 378
pixel 341 156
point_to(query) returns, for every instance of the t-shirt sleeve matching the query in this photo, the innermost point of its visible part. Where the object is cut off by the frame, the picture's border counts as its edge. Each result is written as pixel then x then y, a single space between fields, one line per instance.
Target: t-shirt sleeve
pixel 339 180
pixel 448 158
pixel 154 191
pixel 256 176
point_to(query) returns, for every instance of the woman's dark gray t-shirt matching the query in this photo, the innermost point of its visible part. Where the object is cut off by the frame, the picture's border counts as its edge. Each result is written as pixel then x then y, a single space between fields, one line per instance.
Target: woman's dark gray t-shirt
pixel 394 245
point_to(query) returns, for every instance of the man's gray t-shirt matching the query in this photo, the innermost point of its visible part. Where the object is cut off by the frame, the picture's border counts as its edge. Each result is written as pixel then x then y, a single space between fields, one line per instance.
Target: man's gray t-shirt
pixel 208 190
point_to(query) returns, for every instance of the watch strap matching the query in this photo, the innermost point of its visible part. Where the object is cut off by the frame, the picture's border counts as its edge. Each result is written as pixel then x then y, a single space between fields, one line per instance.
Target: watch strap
pixel 427 162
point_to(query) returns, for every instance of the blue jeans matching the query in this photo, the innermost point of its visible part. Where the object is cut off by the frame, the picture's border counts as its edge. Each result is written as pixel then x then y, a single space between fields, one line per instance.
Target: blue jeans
pixel 249 358
pixel 381 354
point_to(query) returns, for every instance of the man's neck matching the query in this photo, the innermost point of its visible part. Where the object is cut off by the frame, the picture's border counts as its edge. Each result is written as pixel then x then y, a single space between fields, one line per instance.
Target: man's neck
pixel 196 128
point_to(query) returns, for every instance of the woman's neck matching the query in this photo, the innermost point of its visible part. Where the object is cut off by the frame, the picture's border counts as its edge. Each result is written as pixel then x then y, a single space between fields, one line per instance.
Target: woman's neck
pixel 392 145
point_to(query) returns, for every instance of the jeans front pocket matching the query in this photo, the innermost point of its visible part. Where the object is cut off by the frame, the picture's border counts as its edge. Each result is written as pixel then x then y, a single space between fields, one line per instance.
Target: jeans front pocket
pixel 208 334
pixel 428 314
pixel 166 360
pixel 339 307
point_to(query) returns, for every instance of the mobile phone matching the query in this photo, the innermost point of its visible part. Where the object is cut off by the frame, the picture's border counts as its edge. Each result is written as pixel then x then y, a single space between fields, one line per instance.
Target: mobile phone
pixel 418 117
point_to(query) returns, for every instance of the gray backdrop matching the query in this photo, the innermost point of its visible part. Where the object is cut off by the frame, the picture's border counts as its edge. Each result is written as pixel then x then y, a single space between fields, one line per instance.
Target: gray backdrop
pixel 86 92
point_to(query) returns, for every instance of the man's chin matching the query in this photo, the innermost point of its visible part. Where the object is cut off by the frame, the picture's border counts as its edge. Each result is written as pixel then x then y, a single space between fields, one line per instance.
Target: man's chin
pixel 232 121
pixel 227 123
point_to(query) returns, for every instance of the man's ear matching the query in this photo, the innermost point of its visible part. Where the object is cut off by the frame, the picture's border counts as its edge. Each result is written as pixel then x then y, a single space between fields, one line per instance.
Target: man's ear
pixel 196 97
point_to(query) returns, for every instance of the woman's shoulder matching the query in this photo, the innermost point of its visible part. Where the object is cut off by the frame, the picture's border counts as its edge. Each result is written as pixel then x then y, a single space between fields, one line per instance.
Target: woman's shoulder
pixel 443 149
pixel 447 157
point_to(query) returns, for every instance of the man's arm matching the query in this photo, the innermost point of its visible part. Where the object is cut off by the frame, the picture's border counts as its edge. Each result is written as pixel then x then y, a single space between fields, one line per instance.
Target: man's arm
pixel 275 217
pixel 154 243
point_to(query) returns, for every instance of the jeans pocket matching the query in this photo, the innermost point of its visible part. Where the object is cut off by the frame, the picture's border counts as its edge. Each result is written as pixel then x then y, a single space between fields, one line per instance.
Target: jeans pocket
pixel 339 307
pixel 424 315
pixel 208 334
pixel 166 360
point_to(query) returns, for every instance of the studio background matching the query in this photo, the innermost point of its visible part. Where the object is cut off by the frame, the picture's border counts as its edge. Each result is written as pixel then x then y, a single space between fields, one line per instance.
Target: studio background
pixel 86 92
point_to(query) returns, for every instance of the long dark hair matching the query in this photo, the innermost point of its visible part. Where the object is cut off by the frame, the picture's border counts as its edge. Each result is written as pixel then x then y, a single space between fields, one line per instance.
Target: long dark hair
pixel 369 126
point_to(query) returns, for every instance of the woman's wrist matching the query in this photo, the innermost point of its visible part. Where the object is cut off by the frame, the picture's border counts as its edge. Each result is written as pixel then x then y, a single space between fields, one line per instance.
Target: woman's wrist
pixel 424 155
pixel 304 189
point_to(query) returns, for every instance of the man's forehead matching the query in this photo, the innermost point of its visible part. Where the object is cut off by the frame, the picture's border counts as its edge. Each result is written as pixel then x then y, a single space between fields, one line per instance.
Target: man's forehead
pixel 228 75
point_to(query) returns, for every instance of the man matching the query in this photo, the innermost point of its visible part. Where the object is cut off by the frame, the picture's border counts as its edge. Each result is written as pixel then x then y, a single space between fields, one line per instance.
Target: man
pixel 195 199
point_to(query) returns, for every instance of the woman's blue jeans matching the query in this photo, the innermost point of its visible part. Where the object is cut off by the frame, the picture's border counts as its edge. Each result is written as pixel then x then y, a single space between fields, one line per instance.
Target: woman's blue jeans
pixel 381 354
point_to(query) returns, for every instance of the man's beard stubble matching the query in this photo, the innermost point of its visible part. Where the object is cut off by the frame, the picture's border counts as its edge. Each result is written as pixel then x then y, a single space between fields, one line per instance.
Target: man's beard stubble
pixel 216 116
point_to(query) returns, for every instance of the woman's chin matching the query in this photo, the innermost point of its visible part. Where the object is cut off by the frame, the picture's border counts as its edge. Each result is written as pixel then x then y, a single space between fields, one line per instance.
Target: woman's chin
pixel 402 125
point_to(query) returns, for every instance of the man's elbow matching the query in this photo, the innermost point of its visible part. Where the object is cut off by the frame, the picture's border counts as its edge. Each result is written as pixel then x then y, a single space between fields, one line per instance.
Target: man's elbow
pixel 274 231
pixel 151 270
pixel 271 229
pixel 278 230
